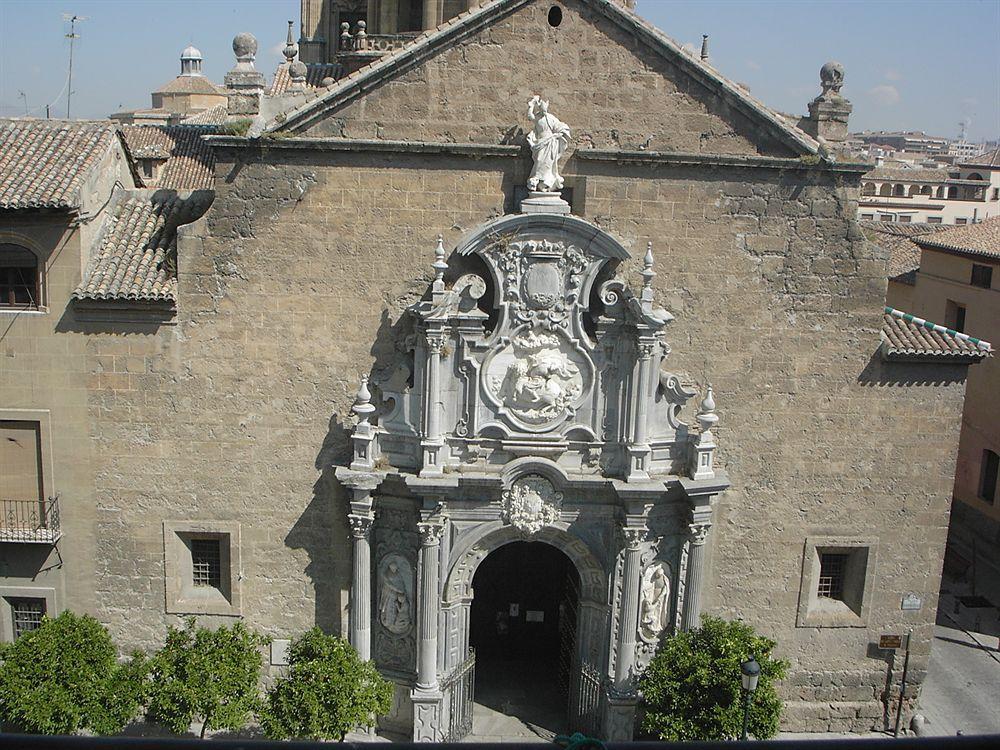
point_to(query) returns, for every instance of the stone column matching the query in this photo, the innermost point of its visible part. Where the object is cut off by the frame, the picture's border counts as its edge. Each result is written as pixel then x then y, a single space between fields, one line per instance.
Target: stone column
pixel 426 696
pixel 432 14
pixel 432 442
pixel 361 585
pixel 628 616
pixel 696 565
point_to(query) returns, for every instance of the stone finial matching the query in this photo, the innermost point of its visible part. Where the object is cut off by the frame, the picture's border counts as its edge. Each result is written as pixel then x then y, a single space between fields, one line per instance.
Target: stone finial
pixel 297 72
pixel 704 47
pixel 363 406
pixel 707 417
pixel 439 265
pixel 245 49
pixel 647 272
pixel 829 112
pixel 291 50
pixel 831 78
pixel 361 35
pixel 345 36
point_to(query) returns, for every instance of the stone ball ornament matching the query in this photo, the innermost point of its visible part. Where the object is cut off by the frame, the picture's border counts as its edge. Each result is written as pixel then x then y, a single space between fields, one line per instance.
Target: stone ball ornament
pixel 245 45
pixel 297 70
pixel 831 76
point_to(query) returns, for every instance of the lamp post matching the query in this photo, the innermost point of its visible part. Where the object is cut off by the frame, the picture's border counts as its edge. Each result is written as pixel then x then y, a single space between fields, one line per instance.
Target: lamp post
pixel 751 672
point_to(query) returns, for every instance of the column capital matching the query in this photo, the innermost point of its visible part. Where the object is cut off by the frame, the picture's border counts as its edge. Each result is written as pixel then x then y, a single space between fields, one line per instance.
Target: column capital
pixel 634 536
pixel 698 533
pixel 361 524
pixel 430 532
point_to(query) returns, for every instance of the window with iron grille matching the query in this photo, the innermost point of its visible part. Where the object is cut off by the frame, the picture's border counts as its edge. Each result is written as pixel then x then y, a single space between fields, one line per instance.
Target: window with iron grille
pixel 19 279
pixel 988 475
pixel 26 615
pixel 832 569
pixel 206 558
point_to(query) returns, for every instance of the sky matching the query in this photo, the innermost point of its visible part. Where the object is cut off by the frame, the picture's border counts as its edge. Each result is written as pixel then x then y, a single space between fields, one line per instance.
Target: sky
pixel 910 64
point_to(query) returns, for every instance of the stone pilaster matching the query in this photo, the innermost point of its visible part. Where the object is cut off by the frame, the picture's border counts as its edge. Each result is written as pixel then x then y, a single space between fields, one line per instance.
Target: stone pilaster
pixel 696 568
pixel 619 721
pixel 432 443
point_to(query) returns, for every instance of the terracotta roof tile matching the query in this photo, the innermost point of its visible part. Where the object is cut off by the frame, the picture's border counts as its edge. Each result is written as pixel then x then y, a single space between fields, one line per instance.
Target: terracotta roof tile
pixel 136 256
pixel 217 115
pixel 897 238
pixel 903 174
pixel 986 159
pixel 43 163
pixel 980 239
pixel 190 85
pixel 905 336
pixel 315 73
pixel 190 161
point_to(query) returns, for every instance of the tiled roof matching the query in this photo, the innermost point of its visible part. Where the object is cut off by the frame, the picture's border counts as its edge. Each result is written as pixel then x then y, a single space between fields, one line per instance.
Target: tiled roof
pixel 481 16
pixel 216 115
pixel 136 256
pixel 985 159
pixel 980 239
pixel 315 73
pixel 43 163
pixel 907 175
pixel 897 238
pixel 190 161
pixel 905 336
pixel 190 85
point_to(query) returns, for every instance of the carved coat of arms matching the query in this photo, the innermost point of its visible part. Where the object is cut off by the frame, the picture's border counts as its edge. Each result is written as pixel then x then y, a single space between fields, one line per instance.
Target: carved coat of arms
pixel 531 504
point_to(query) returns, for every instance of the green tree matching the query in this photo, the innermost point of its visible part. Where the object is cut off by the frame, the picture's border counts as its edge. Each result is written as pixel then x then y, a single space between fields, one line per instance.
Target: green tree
pixel 327 692
pixel 210 675
pixel 692 688
pixel 64 677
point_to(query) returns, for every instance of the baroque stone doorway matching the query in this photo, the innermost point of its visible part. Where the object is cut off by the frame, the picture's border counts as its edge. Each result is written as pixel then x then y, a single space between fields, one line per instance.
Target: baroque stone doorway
pixel 523 625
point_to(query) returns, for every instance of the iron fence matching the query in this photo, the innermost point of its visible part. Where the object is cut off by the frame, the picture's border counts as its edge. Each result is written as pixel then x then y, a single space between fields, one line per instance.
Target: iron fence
pixel 459 689
pixel 29 520
pixel 585 703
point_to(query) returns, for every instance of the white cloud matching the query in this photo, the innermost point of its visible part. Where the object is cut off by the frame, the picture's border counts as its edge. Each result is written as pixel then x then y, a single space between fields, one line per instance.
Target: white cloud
pixel 276 50
pixel 885 94
pixel 893 75
pixel 753 65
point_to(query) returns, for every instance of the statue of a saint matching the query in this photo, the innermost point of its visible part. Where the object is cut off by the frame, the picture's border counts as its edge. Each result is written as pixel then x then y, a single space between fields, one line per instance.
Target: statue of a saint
pixel 394 598
pixel 549 140
pixel 655 607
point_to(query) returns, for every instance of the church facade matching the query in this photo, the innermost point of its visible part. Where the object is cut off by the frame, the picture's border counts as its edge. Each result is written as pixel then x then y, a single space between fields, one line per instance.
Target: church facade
pixel 633 340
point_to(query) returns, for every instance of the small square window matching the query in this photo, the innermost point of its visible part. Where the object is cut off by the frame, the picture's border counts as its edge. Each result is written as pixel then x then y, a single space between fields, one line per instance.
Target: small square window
pixel 20 280
pixel 837 580
pixel 26 614
pixel 988 476
pixel 867 217
pixel 933 219
pixel 905 219
pixel 961 222
pixel 982 276
pixel 206 563
pixel 954 316
pixel 886 217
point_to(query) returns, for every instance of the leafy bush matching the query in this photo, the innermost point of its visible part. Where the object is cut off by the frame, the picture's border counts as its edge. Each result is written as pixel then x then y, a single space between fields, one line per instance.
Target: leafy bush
pixel 64 677
pixel 211 675
pixel 328 691
pixel 692 688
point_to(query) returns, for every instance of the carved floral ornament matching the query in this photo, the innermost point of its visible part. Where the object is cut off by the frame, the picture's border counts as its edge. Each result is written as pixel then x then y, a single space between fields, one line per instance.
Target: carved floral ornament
pixel 531 504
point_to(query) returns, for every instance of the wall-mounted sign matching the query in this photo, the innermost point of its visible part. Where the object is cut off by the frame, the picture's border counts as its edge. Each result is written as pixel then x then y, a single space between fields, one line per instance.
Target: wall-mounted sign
pixel 534 615
pixel 890 642
pixel 515 610
pixel 911 603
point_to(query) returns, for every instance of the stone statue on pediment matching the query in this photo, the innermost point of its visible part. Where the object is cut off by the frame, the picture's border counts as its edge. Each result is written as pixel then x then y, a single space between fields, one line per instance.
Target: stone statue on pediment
pixel 549 140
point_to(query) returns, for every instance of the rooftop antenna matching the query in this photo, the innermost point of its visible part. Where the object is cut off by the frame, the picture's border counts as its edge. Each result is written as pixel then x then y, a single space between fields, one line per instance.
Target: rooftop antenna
pixel 72 35
pixel 24 96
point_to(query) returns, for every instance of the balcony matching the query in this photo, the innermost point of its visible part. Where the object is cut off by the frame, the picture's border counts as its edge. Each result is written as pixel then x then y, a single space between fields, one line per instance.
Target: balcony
pixel 30 521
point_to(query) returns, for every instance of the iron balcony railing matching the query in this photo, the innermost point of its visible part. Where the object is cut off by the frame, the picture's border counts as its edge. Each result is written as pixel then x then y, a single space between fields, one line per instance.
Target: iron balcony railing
pixel 31 521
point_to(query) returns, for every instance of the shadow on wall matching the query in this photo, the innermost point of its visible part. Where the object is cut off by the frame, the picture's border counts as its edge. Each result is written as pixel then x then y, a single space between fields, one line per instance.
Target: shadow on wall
pixel 881 372
pixel 321 531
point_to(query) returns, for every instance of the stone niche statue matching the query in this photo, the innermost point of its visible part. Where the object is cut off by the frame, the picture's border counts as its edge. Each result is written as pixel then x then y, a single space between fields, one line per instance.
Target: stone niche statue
pixel 395 599
pixel 549 140
pixel 654 607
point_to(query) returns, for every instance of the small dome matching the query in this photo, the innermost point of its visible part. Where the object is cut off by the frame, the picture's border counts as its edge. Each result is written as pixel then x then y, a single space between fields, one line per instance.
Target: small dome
pixel 245 45
pixel 191 53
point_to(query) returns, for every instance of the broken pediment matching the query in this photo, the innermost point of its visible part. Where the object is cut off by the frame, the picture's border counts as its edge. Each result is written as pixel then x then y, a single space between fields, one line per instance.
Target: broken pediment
pixel 622 83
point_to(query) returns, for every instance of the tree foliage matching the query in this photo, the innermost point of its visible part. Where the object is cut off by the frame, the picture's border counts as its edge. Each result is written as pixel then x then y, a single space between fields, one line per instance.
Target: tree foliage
pixel 64 677
pixel 692 689
pixel 209 675
pixel 327 692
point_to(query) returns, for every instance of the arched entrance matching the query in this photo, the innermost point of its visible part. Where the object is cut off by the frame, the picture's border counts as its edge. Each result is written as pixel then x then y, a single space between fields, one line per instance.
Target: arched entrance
pixel 523 623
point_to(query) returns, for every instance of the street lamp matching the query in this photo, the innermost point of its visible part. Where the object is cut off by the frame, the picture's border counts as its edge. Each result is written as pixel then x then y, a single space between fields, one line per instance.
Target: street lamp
pixel 751 672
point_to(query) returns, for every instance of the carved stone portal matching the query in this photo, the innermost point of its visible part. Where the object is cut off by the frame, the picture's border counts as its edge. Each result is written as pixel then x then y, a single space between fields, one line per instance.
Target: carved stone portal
pixel 531 504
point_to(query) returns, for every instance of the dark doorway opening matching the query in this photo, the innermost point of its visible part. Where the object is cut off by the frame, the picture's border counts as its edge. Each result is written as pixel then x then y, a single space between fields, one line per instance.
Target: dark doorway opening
pixel 523 628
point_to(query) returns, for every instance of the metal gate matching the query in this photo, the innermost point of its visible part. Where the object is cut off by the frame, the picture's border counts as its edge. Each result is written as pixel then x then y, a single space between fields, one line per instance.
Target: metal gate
pixel 459 691
pixel 585 701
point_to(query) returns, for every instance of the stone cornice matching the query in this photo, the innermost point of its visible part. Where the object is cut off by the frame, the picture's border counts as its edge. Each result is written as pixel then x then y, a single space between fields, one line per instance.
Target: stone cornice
pixel 681 158
pixel 477 150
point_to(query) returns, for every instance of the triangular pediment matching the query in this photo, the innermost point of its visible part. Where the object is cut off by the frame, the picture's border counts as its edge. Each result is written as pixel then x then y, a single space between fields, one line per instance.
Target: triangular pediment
pixel 616 80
